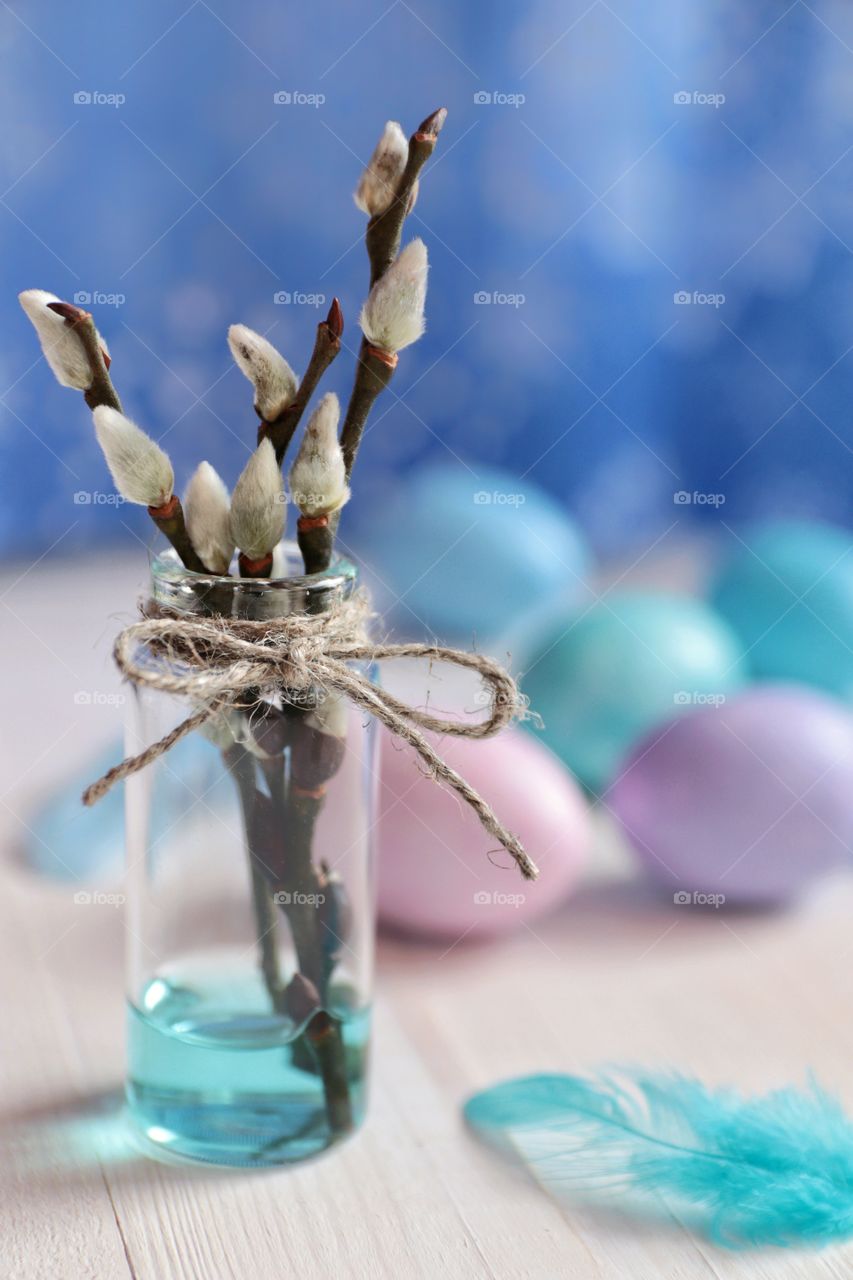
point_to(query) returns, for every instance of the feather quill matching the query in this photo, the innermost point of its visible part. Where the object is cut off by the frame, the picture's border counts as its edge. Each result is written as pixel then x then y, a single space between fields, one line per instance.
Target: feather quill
pixel 769 1170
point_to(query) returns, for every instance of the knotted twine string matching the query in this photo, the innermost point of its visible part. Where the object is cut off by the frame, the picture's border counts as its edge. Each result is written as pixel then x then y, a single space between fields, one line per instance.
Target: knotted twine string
pixel 217 661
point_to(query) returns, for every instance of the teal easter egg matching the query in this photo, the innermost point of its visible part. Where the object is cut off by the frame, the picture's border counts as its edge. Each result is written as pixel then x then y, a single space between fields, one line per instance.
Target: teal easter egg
pixel 633 660
pixel 472 550
pixel 787 591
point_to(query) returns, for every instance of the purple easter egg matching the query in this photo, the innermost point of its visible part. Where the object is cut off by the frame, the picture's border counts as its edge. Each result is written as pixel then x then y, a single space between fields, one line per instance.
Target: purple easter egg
pixel 750 800
pixel 435 875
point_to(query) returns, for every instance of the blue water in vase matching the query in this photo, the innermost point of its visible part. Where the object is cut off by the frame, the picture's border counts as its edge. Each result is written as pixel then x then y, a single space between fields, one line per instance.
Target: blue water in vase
pixel 215 1075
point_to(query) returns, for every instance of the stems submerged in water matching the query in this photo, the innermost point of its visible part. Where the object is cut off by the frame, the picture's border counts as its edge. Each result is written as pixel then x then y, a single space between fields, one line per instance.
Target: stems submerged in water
pixel 279 831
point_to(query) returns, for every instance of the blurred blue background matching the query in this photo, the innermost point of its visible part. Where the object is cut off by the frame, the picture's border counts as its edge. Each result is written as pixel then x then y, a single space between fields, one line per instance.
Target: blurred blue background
pixel 601 164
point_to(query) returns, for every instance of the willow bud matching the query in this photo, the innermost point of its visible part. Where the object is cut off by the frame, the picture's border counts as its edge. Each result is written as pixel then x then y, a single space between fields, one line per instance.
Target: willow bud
pixel 62 346
pixel 378 182
pixel 318 476
pixel 393 315
pixel 140 469
pixel 274 381
pixel 257 504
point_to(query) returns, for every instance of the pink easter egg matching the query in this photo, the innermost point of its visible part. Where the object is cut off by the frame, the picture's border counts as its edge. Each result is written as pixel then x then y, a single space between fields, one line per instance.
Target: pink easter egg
pixel 435 876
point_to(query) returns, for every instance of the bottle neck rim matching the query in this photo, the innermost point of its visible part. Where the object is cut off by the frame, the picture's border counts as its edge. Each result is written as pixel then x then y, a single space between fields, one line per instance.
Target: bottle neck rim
pixel 177 588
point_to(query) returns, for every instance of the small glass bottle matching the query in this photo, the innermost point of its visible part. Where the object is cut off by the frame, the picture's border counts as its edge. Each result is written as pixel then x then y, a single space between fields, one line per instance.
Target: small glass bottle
pixel 250 901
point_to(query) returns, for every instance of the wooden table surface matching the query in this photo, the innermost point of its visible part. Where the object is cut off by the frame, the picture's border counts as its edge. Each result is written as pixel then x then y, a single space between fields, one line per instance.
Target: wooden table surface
pixel 750 999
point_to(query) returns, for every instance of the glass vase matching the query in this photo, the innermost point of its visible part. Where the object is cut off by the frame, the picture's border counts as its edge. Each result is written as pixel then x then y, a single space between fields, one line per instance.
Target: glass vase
pixel 250 901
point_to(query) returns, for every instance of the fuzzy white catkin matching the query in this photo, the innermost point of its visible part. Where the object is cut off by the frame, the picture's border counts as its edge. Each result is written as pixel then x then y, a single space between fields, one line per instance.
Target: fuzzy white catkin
pixel 62 347
pixel 221 729
pixel 274 381
pixel 257 504
pixel 393 315
pixel 226 728
pixel 378 182
pixel 207 508
pixel 140 469
pixel 318 482
pixel 330 716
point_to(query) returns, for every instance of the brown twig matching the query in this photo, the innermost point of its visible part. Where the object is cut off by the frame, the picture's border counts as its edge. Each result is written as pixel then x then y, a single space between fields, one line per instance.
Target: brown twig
pixel 327 344
pixel 316 540
pixel 101 390
pixel 322 1032
pixel 169 519
pixel 260 568
pixel 373 373
pixel 384 231
pixel 242 768
pixel 382 239
pixel 274 868
pixel 375 368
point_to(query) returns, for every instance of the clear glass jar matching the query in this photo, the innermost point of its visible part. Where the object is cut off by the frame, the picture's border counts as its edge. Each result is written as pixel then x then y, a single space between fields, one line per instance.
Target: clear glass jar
pixel 250 903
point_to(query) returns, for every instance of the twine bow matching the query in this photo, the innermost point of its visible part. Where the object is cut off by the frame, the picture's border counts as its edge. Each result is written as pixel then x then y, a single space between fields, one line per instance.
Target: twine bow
pixel 217 661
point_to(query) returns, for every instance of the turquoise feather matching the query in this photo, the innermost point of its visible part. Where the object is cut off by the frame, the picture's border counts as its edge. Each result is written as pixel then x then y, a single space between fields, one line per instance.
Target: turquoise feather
pixel 771 1170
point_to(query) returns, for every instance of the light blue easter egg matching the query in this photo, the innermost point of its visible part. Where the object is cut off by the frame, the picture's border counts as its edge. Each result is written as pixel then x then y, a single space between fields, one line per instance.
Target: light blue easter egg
pixel 788 594
pixel 633 660
pixel 468 552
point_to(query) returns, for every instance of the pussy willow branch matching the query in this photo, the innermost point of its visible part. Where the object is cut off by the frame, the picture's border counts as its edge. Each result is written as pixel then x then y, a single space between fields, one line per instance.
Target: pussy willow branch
pixel 242 768
pixel 316 540
pixel 323 1030
pixel 316 534
pixel 327 344
pixel 385 230
pixel 374 369
pixel 372 375
pixel 301 884
pixel 289 870
pixel 299 877
pixel 169 518
pixel 82 322
pixel 249 568
pixel 382 240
